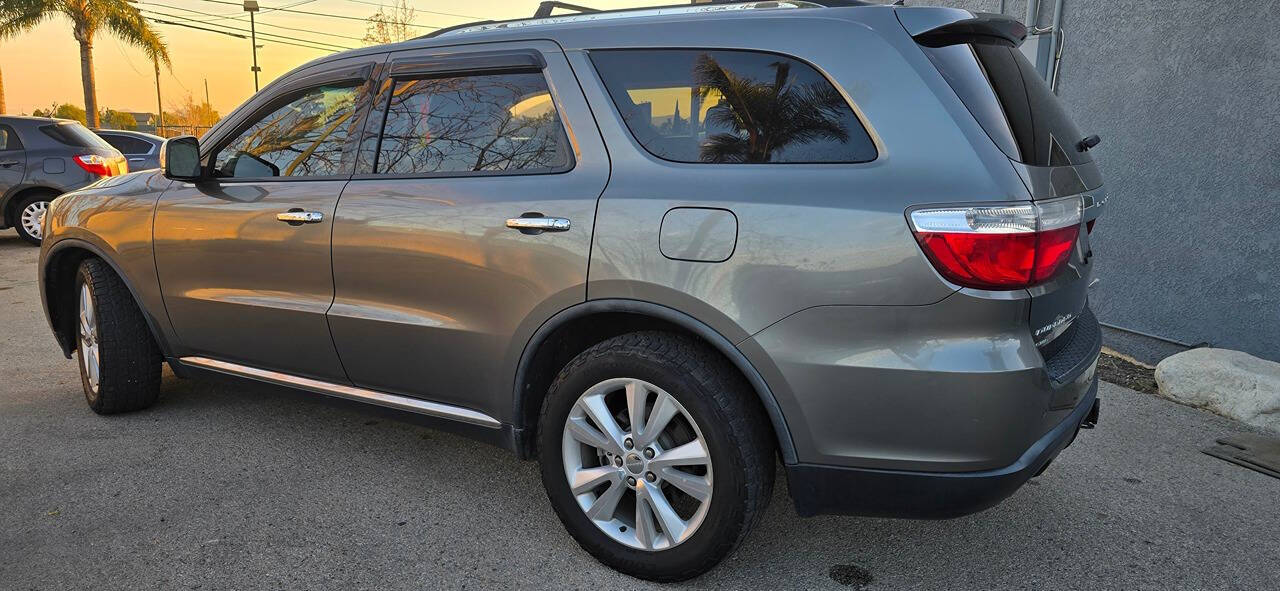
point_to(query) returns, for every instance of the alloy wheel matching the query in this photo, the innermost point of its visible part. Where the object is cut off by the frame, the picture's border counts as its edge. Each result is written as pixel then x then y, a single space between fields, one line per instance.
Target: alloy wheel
pixel 637 464
pixel 89 338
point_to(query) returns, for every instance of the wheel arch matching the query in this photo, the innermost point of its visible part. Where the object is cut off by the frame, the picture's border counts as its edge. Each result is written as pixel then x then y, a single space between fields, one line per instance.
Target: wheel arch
pixel 574 329
pixel 58 270
pixel 9 210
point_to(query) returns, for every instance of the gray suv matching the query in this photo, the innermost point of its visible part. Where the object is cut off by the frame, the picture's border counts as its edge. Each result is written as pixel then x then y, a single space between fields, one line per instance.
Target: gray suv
pixel 656 250
pixel 40 158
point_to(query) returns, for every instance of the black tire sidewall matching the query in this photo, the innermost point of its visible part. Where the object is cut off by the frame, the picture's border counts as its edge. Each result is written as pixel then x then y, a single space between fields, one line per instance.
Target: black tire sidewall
pixel 724 517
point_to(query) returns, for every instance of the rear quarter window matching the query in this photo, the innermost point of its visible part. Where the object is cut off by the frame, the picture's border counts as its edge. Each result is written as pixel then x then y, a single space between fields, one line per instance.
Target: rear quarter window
pixel 126 144
pixel 76 135
pixel 729 106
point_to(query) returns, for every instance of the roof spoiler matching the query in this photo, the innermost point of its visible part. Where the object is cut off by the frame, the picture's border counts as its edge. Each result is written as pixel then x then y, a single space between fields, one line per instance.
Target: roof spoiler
pixel 983 27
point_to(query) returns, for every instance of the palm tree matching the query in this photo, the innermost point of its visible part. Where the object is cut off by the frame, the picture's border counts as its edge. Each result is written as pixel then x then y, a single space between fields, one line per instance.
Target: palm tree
pixel 87 17
pixel 766 116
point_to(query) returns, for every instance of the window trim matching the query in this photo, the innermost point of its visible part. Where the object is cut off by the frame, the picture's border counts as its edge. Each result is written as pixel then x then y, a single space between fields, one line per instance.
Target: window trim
pixel 490 63
pixel 283 98
pixel 853 106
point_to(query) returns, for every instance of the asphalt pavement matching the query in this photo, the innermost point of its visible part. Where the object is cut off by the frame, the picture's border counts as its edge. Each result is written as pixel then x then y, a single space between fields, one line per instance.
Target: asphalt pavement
pixel 235 485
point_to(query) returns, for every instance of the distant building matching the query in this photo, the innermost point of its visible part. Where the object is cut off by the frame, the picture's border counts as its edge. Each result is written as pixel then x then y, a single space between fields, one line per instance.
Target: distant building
pixel 146 122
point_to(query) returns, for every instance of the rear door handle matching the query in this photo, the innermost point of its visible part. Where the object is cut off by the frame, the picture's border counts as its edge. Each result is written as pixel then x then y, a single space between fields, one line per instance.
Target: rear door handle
pixel 539 224
pixel 8 163
pixel 299 217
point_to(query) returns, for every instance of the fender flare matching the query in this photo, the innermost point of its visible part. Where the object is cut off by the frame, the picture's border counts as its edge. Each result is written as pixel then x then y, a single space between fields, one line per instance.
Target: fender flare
pixel 97 251
pixel 726 347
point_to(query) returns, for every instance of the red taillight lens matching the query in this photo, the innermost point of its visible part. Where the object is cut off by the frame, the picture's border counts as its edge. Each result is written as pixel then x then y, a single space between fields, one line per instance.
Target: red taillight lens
pixel 1008 246
pixel 101 165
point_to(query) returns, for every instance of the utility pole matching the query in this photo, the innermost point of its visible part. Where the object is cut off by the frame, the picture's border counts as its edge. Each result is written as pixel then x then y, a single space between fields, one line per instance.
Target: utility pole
pixel 251 6
pixel 159 107
pixel 206 91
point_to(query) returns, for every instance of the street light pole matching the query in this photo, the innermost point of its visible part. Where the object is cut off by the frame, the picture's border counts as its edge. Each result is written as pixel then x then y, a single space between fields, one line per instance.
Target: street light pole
pixel 159 108
pixel 251 6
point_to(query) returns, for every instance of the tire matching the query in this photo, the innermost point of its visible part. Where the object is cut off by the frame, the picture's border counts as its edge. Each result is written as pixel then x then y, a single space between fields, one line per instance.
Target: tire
pixel 38 203
pixel 112 336
pixel 714 405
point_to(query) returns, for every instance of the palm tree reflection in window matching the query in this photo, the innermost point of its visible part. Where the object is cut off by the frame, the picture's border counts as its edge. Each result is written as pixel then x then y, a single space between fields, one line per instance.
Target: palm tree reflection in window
pixel 766 116
pixel 491 123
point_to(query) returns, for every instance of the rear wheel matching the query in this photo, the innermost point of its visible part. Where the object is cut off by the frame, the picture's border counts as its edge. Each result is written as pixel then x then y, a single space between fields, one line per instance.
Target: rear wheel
pixel 30 222
pixel 119 361
pixel 655 455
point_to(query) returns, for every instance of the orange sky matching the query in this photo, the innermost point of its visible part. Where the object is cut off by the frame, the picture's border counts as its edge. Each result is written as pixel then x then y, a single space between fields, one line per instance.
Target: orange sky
pixel 43 66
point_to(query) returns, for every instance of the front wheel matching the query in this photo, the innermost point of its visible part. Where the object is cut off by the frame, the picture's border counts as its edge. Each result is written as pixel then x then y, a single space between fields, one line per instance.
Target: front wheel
pixel 31 212
pixel 655 455
pixel 119 360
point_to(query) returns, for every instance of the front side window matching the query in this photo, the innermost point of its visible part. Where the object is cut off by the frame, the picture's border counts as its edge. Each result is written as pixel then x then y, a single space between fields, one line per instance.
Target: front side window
pixel 472 124
pixel 716 106
pixel 304 138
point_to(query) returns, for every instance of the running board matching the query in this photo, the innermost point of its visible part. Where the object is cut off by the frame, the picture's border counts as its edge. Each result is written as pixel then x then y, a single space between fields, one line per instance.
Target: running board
pixel 405 403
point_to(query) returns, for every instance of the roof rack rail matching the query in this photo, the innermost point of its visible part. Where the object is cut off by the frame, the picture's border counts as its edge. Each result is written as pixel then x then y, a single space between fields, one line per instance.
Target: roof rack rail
pixel 545 8
pixel 543 15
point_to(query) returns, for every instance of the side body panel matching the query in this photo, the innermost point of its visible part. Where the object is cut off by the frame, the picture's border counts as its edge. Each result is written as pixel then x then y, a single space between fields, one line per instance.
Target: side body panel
pixel 435 296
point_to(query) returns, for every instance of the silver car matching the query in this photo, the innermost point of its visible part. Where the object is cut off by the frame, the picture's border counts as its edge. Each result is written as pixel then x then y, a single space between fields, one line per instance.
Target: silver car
pixel 656 250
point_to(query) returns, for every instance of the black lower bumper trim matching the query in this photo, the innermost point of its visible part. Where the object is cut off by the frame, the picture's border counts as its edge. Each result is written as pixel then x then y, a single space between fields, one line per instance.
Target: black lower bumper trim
pixel 824 490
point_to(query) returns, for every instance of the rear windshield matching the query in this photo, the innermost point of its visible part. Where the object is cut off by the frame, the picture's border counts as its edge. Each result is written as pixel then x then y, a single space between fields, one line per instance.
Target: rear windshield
pixel 718 106
pixel 74 134
pixel 1011 102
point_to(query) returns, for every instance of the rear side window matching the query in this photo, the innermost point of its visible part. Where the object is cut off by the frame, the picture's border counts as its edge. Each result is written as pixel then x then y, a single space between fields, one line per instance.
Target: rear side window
pixel 498 123
pixel 127 145
pixel 305 137
pixel 715 106
pixel 1011 102
pixel 74 134
pixel 8 139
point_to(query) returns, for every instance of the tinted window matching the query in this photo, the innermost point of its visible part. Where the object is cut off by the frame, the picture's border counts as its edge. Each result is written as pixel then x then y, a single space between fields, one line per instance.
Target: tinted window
pixel 305 137
pixel 493 123
pixel 8 139
pixel 731 107
pixel 1011 102
pixel 126 144
pixel 74 134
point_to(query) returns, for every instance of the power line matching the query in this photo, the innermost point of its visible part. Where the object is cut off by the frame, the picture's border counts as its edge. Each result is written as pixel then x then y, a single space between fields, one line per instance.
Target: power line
pixel 236 35
pixel 307 12
pixel 241 19
pixel 416 9
pixel 322 44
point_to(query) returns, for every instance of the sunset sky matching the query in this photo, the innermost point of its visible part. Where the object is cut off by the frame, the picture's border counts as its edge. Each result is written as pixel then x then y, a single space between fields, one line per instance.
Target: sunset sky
pixel 43 67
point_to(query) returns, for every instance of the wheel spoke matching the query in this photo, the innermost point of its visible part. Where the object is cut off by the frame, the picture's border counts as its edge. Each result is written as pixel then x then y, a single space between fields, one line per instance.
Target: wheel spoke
pixel 595 408
pixel 664 409
pixel 646 531
pixel 689 454
pixel 606 505
pixel 672 524
pixel 637 395
pixel 693 485
pixel 581 430
pixel 587 479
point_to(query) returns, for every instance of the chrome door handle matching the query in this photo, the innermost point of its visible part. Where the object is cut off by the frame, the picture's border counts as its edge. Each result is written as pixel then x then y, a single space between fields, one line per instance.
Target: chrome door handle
pixel 300 217
pixel 8 163
pixel 543 224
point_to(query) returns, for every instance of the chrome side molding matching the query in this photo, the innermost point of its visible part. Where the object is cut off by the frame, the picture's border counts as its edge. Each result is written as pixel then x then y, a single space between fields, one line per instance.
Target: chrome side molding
pixel 405 403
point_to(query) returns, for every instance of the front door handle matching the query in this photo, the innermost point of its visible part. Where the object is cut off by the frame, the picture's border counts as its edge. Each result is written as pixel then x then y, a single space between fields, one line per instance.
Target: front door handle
pixel 535 224
pixel 8 163
pixel 299 217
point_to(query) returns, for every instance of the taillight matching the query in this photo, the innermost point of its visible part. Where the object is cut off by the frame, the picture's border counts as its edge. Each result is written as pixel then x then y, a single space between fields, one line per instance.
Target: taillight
pixel 1005 246
pixel 101 165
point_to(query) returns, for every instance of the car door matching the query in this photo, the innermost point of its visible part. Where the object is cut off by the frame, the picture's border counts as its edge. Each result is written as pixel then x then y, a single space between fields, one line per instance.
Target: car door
pixel 243 257
pixel 13 159
pixel 436 291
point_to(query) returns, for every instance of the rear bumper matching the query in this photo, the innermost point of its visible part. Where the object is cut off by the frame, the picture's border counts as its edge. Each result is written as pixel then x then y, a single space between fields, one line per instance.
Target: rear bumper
pixel 818 490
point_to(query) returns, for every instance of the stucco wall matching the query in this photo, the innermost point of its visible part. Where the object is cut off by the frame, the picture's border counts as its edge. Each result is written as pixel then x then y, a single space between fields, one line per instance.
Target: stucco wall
pixel 1186 97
